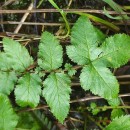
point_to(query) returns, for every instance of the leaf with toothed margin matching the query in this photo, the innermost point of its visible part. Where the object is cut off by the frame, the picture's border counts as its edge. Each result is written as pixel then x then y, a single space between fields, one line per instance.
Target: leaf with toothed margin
pixel 7 82
pixel 121 123
pixel 50 52
pixel 16 55
pixel 8 118
pixel 84 38
pixel 99 80
pixel 116 50
pixel 56 92
pixel 28 90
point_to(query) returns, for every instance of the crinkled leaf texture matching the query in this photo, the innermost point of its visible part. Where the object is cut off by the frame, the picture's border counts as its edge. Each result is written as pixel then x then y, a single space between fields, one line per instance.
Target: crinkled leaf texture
pixel 7 81
pixel 85 39
pixel 121 123
pixel 8 119
pixel 84 50
pixel 99 80
pixel 28 90
pixel 50 52
pixel 116 50
pixel 17 55
pixel 56 92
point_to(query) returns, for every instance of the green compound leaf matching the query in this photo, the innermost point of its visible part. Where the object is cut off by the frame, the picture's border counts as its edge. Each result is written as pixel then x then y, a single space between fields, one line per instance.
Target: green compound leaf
pixel 121 123
pixel 8 119
pixel 56 92
pixel 85 51
pixel 116 50
pixel 7 81
pixel 99 80
pixel 50 52
pixel 28 90
pixel 16 55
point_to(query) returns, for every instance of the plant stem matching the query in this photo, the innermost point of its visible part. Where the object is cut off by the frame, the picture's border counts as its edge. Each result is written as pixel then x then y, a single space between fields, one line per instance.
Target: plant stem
pixel 64 17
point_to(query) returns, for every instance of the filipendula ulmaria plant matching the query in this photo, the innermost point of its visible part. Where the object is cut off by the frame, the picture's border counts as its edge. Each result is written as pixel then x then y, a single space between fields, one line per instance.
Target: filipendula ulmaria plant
pixel 90 49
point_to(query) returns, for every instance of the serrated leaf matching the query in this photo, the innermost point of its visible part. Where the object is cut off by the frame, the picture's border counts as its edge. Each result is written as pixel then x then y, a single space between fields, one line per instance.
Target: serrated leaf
pixel 84 32
pixel 28 90
pixel 56 92
pixel 85 38
pixel 117 113
pixel 7 81
pixel 121 123
pixel 16 55
pixel 8 119
pixel 81 54
pixel 99 80
pixel 50 52
pixel 116 50
pixel 70 69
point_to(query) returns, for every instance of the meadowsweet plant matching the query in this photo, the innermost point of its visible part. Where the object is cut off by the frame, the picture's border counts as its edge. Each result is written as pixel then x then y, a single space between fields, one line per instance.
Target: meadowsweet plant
pixel 90 49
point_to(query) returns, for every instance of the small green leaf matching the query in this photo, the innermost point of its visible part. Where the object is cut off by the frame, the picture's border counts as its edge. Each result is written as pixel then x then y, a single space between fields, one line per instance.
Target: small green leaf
pixel 50 52
pixel 70 69
pixel 93 105
pixel 56 92
pixel 95 111
pixel 8 119
pixel 16 55
pixel 28 90
pixel 99 80
pixel 121 123
pixel 116 50
pixel 117 113
pixel 7 81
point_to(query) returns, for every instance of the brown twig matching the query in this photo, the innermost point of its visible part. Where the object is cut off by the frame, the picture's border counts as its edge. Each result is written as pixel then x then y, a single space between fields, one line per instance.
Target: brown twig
pixel 56 11
pixel 74 101
pixel 23 19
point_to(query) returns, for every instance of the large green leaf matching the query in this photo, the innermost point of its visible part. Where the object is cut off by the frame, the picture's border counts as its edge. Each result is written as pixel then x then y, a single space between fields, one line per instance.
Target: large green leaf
pixel 99 80
pixel 8 119
pixel 28 90
pixel 50 52
pixel 56 92
pixel 84 32
pixel 85 39
pixel 121 123
pixel 116 50
pixel 7 81
pixel 86 50
pixel 16 55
